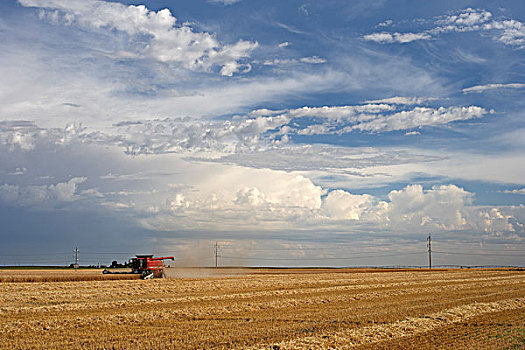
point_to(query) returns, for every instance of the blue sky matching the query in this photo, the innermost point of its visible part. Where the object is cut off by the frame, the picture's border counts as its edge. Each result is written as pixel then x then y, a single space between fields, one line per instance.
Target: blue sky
pixel 337 133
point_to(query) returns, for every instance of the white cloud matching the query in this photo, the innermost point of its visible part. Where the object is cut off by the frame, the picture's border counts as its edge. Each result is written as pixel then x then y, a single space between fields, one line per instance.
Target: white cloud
pixel 321 158
pixel 509 32
pixel 224 2
pixel 386 23
pixel 293 202
pixel 512 32
pixel 419 117
pixel 399 100
pixel 516 191
pixel 353 111
pixel 379 37
pixel 313 60
pixel 239 199
pixel 345 119
pixel 396 37
pixel 444 208
pixel 342 205
pixel 279 62
pixel 248 196
pixel 180 135
pixel 104 102
pixel 34 195
pixel 441 207
pixel 468 18
pixel 26 136
pixel 18 171
pixel 481 88
pixel 257 131
pixel 409 37
pixel 291 61
pixel 161 39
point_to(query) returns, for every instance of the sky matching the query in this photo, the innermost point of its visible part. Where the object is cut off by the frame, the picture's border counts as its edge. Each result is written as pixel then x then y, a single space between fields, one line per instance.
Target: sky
pixel 292 133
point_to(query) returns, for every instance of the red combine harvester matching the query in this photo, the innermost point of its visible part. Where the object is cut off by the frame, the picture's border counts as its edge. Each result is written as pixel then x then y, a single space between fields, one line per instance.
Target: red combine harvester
pixel 146 266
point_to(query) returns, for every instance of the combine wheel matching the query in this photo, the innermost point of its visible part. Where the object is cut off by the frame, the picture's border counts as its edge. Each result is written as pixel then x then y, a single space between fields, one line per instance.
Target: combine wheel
pixel 146 275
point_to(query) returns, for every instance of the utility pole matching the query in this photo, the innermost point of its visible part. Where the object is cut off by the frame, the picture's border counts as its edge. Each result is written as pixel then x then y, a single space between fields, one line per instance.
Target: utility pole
pixel 76 259
pixel 429 245
pixel 216 254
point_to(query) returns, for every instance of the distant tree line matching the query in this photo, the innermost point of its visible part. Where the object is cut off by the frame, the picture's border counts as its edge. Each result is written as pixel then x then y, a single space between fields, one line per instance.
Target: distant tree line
pixel 116 264
pixel 72 266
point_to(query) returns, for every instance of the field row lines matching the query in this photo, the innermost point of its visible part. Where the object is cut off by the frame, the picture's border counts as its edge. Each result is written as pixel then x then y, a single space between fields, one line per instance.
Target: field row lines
pixel 351 338
pixel 170 310
pixel 67 294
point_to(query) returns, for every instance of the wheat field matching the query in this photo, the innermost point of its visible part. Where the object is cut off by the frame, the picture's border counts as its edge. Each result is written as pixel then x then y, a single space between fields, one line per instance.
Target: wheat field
pixel 265 309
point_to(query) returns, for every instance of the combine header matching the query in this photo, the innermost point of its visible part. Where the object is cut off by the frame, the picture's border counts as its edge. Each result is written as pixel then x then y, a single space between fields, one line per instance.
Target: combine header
pixel 146 266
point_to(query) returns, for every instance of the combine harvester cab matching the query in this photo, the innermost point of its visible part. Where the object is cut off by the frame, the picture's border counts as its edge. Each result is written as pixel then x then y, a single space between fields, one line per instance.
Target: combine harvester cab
pixel 146 266
pixel 149 267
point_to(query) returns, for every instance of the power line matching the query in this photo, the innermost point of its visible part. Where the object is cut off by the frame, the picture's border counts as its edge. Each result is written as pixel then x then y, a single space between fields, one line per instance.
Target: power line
pixel 335 249
pixel 338 246
pixel 38 254
pixel 326 258
pixel 480 242
pixel 482 254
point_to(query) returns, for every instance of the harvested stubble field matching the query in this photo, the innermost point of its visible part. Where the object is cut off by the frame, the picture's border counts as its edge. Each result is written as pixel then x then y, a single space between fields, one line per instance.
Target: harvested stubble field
pixel 269 309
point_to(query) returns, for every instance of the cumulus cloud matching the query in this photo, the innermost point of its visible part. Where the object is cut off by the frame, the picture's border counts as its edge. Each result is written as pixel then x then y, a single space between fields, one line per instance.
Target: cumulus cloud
pixel 335 112
pixel 516 191
pixel 313 60
pixel 291 61
pixel 170 135
pixel 509 32
pixel 466 19
pixel 342 205
pixel 257 131
pixel 250 196
pixel 26 135
pixel 512 32
pixel 295 201
pixel 33 195
pixel 178 135
pixel 245 198
pixel 440 207
pixel 158 35
pixel 244 194
pixel 446 208
pixel 380 118
pixel 396 37
pixel 263 130
pixel 481 88
pixel 419 117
